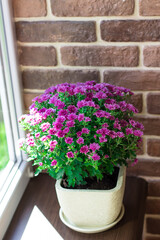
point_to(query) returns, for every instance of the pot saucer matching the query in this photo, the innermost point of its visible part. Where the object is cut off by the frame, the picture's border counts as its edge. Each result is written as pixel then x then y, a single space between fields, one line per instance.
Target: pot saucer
pixel 90 230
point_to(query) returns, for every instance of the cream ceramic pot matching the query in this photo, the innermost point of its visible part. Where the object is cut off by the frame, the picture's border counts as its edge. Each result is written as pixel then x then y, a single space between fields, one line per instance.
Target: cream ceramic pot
pixel 92 208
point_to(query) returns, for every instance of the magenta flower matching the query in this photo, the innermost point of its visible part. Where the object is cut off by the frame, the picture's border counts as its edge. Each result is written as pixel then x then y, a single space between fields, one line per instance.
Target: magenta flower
pixel 63 112
pixel 60 119
pixel 70 124
pixel 94 146
pixel 137 133
pixel 140 126
pixel 58 125
pixel 129 131
pixel 45 126
pixel 87 119
pixel 61 89
pixel 37 135
pixel 84 149
pixel 70 154
pixel 85 130
pixel 60 105
pixel 72 116
pixel 80 140
pixel 113 134
pixel 52 131
pixel 96 157
pixel 72 109
pixel 21 142
pixel 135 162
pixel 103 139
pixel 132 122
pixel 105 125
pixel 54 162
pixel 69 140
pixel 79 134
pixel 60 134
pixel 66 130
pixel 120 134
pixel 117 125
pixel 53 143
pixel 81 117
pixel 44 138
pixel 81 104
pixel 40 164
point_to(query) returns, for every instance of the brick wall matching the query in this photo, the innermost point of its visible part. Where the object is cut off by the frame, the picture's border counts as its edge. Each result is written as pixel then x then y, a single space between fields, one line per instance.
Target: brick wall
pixel 114 41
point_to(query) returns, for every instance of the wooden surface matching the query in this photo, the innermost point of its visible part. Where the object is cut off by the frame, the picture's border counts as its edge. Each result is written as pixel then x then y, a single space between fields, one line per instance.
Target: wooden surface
pixel 41 192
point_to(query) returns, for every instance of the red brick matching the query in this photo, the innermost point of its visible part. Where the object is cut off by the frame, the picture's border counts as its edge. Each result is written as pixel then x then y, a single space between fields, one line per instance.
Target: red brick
pixel 153 225
pixel 130 30
pixel 56 31
pixel 27 97
pixel 153 206
pixel 151 56
pixel 88 8
pixel 135 80
pixel 151 125
pixel 154 187
pixel 152 238
pixel 140 151
pixel 153 103
pixel 153 147
pixel 100 56
pixel 137 101
pixel 149 8
pixel 29 8
pixel 42 79
pixel 37 56
pixel 145 167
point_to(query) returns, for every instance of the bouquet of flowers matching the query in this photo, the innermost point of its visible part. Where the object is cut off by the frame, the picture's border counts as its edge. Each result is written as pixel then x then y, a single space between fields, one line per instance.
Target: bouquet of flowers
pixel 81 130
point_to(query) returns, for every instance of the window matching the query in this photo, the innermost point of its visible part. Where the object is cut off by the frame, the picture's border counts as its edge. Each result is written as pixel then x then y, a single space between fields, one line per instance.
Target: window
pixel 14 177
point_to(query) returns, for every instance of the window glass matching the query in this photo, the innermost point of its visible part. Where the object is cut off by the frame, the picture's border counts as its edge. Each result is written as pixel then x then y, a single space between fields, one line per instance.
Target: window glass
pixel 4 156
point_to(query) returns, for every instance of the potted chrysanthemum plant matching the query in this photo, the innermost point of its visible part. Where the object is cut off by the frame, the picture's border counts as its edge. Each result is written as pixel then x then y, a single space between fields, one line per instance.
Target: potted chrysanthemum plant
pixel 84 135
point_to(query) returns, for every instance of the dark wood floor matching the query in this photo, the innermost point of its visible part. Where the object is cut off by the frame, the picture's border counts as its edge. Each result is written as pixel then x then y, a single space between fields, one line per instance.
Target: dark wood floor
pixel 41 192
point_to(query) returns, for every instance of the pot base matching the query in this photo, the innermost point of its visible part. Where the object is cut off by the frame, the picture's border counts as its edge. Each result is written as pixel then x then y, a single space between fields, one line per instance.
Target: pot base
pixel 90 230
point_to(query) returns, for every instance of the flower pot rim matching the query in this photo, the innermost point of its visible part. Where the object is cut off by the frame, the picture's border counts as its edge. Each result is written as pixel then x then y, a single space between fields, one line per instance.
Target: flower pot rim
pixel 122 171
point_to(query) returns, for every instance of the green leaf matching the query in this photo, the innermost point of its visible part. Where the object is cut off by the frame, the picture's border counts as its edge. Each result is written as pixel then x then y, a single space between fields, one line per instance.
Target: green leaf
pixel 37 172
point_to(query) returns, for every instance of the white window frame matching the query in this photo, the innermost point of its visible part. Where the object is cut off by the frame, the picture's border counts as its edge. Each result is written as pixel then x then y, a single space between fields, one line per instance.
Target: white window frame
pixel 19 175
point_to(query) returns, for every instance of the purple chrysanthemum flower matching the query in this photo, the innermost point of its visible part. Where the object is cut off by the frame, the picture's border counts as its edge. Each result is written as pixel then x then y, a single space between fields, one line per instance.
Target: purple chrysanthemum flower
pixel 72 109
pixel 60 134
pixel 70 154
pixel 81 117
pixel 58 125
pixel 85 130
pixel 103 139
pixel 54 162
pixel 84 149
pixel 69 140
pixel 87 119
pixel 137 133
pixel 63 112
pixel 94 146
pixel 79 134
pixel 120 134
pixel 129 131
pixel 96 157
pixel 72 116
pixel 80 140
pixel 70 124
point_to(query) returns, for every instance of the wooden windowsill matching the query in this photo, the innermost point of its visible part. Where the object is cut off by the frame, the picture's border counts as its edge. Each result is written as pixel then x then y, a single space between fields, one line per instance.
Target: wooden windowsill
pixel 41 193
